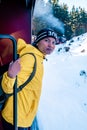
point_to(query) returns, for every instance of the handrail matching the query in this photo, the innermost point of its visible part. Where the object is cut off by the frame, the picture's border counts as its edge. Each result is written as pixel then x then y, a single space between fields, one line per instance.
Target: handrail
pixel 7 36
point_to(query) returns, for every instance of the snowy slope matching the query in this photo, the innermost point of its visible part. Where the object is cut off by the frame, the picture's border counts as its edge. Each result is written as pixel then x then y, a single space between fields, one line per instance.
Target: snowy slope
pixel 63 104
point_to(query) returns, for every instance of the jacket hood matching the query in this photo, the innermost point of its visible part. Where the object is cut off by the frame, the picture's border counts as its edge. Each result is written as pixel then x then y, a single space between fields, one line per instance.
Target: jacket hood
pixel 23 47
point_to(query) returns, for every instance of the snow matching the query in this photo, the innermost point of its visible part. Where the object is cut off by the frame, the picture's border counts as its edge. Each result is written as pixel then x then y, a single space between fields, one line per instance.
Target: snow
pixel 63 103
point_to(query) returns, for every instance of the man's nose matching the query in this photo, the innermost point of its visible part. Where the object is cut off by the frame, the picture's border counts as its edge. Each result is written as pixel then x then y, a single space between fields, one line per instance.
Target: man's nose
pixel 51 44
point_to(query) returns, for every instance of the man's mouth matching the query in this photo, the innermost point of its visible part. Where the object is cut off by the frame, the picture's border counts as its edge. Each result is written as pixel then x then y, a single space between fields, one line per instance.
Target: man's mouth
pixel 49 50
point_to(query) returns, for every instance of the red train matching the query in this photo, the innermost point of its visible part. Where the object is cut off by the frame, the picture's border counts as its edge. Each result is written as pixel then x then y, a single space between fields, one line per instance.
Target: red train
pixel 15 20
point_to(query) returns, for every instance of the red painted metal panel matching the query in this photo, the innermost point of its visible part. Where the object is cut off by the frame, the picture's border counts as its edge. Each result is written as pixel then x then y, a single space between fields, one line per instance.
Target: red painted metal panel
pixel 15 19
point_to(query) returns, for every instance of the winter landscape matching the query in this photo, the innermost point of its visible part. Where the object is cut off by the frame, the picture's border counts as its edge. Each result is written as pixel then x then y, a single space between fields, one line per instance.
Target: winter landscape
pixel 63 104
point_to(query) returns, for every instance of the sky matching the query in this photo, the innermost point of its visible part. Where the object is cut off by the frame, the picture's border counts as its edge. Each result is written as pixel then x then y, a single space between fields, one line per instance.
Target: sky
pixel 70 3
pixel 63 103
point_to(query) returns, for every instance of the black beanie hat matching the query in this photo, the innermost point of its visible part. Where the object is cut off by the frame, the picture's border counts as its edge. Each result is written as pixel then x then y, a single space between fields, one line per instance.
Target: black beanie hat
pixel 45 33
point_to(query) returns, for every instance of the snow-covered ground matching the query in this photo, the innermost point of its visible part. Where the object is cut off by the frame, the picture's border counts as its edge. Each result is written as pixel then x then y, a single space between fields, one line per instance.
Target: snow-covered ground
pixel 63 103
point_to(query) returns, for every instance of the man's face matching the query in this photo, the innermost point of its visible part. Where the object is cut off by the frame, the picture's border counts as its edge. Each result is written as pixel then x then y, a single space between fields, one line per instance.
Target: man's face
pixel 46 45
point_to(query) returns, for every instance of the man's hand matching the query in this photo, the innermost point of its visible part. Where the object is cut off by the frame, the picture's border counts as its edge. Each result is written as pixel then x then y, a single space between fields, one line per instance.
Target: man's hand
pixel 14 68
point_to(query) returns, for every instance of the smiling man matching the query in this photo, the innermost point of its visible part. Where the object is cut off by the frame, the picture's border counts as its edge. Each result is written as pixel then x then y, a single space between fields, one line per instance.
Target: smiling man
pixel 29 96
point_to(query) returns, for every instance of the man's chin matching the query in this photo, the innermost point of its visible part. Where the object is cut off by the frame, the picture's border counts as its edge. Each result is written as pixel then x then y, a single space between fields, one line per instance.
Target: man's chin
pixel 48 53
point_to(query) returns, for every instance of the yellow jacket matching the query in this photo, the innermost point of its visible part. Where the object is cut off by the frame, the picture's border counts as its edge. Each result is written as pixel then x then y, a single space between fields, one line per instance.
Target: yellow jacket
pixel 28 98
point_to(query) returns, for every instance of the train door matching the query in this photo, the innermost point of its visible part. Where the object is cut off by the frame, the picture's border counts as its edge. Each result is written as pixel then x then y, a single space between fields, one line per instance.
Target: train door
pixel 15 20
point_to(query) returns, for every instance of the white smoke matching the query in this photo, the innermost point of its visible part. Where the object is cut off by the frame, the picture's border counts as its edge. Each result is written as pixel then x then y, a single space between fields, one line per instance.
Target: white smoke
pixel 44 10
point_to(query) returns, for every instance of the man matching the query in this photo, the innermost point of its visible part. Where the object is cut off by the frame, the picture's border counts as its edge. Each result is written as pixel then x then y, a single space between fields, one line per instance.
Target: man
pixel 29 96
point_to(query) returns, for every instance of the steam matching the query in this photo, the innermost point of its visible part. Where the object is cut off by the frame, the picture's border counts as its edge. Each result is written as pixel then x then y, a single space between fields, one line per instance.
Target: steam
pixel 44 10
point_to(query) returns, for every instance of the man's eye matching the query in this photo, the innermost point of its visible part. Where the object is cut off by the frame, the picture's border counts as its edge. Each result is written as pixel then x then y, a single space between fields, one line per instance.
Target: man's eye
pixel 54 43
pixel 46 40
